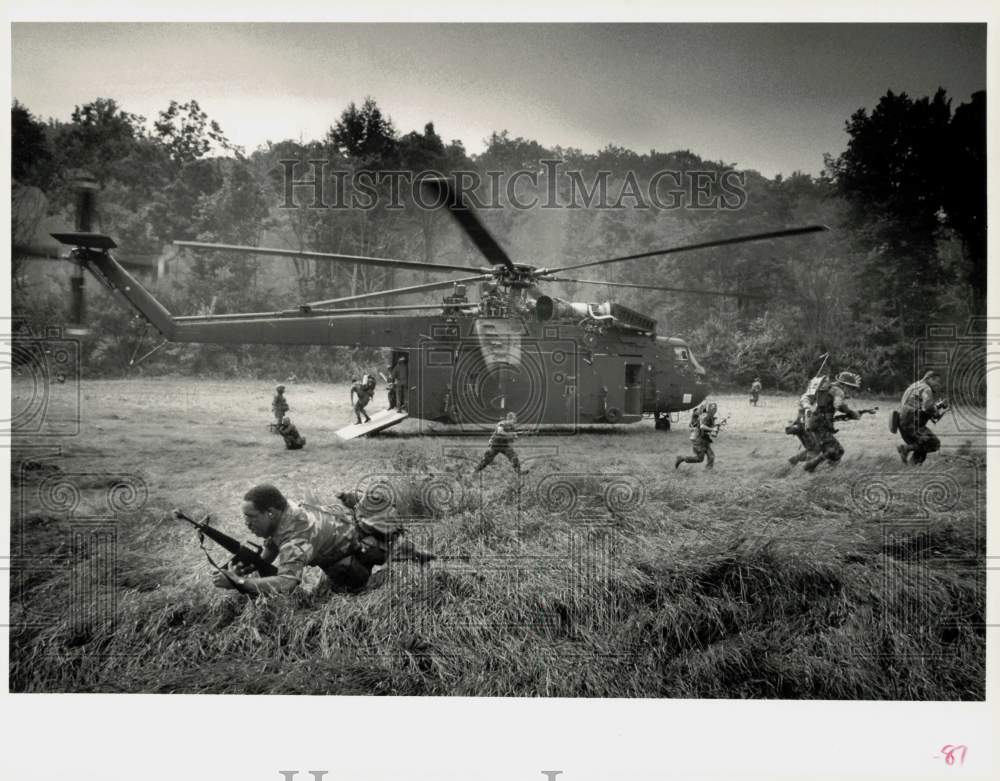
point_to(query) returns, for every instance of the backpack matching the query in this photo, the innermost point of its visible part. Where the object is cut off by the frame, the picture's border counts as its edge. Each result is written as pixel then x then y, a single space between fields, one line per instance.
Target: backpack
pixel 816 384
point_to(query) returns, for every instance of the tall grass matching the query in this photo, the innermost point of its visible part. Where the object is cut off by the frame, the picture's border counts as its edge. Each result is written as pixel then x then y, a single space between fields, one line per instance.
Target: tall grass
pixel 780 585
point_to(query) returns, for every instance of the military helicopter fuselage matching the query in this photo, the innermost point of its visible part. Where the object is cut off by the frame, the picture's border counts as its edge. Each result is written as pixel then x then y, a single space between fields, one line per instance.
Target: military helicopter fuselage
pixel 548 360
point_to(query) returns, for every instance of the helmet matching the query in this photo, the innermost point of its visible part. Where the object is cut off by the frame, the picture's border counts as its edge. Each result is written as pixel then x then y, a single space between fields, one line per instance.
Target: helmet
pixel 280 389
pixel 849 378
pixel 511 416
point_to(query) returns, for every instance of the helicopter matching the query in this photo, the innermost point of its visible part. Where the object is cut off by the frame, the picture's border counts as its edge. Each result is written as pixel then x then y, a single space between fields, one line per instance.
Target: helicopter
pixel 515 349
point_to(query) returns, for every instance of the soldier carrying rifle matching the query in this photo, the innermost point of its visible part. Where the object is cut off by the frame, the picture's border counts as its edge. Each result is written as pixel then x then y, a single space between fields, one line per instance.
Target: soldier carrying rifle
pixel 829 399
pixel 917 408
pixel 704 428
pixel 342 544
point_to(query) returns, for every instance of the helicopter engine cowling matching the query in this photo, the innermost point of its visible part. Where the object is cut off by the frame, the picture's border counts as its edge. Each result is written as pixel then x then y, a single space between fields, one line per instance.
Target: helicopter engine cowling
pixel 549 308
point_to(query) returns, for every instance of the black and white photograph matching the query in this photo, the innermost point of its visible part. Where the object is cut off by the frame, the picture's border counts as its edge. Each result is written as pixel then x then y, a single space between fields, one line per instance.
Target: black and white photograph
pixel 630 361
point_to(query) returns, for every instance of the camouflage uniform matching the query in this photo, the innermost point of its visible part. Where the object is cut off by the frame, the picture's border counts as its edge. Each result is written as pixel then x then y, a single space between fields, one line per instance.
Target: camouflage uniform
pixel 289 433
pixel 279 404
pixel 400 376
pixel 328 538
pixel 810 447
pixel 390 387
pixel 501 443
pixel 701 441
pixel 361 394
pixel 829 400
pixel 916 410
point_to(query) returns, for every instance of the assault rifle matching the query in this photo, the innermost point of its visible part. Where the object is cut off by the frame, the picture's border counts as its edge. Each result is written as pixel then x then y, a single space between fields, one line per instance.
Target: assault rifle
pixel 247 554
pixel 861 413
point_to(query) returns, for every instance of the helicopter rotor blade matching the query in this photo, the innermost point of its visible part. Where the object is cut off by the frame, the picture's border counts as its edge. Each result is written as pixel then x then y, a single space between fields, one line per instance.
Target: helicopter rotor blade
pixel 399 291
pixel 658 287
pixel 398 308
pixel 441 190
pixel 412 265
pixel 689 247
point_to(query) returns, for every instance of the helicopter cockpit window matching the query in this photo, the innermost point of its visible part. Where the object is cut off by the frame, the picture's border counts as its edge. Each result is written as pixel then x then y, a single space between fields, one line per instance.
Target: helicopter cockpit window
pixel 681 353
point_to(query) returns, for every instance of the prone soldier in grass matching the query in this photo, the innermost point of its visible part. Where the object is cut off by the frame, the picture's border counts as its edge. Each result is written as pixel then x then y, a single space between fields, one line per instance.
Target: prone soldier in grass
pixel 502 443
pixel 704 428
pixel 917 408
pixel 336 539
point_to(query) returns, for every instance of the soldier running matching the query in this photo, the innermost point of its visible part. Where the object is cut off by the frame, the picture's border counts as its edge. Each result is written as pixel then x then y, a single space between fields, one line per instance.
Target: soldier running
pixel 501 443
pixel 755 388
pixel 917 408
pixel 335 539
pixel 701 438
pixel 810 446
pixel 361 394
pixel 279 404
pixel 830 398
pixel 289 433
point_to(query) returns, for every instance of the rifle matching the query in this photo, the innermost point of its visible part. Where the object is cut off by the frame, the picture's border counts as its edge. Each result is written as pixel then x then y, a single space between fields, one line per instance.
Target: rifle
pixel 941 407
pixel 861 412
pixel 720 425
pixel 244 553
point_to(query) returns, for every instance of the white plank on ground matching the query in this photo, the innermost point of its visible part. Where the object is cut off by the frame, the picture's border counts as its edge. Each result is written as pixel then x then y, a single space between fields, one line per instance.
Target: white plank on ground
pixel 382 419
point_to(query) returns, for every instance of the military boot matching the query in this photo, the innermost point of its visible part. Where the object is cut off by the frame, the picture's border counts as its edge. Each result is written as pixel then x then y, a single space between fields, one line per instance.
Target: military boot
pixel 904 453
pixel 812 463
pixel 678 461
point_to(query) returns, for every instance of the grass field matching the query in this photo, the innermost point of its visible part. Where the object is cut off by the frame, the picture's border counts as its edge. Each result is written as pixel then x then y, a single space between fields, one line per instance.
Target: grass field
pixel 604 572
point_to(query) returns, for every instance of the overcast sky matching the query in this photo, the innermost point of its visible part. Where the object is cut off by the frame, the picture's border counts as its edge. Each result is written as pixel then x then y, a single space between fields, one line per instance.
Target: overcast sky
pixel 769 97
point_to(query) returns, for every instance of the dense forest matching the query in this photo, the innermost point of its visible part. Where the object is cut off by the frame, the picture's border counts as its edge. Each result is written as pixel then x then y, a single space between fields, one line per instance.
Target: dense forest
pixel 905 203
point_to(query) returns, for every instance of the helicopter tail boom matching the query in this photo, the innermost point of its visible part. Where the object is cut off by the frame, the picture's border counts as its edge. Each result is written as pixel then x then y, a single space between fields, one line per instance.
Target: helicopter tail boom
pixel 90 250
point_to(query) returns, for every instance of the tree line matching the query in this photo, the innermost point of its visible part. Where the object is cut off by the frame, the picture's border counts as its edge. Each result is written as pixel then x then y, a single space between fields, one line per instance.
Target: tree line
pixel 905 202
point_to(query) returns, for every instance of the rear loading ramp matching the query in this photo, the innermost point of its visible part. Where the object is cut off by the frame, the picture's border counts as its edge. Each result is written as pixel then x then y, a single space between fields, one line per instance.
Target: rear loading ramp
pixel 379 422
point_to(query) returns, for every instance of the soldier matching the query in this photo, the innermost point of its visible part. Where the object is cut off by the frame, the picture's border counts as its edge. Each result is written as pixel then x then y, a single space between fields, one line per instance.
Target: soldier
pixel 289 433
pixel 701 437
pixel 345 546
pixel 501 443
pixel 390 387
pixel 916 409
pixel 279 404
pixel 400 377
pixel 830 398
pixel 360 396
pixel 810 447
pixel 755 389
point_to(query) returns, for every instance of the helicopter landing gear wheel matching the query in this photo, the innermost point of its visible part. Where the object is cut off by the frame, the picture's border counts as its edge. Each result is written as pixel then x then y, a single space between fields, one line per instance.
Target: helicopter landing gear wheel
pixel 663 422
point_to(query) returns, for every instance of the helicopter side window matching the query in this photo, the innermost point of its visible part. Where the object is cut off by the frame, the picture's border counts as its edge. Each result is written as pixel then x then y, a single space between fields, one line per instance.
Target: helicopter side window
pixel 681 353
